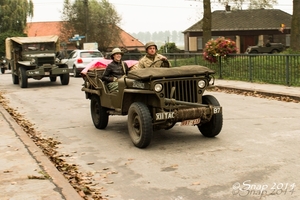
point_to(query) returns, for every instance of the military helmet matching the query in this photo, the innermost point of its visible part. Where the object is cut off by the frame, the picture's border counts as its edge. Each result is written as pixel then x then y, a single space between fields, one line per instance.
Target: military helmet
pixel 150 44
pixel 114 51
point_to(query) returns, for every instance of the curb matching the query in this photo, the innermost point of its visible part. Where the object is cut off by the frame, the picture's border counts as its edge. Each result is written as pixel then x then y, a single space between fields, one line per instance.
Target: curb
pixel 66 190
pixel 257 91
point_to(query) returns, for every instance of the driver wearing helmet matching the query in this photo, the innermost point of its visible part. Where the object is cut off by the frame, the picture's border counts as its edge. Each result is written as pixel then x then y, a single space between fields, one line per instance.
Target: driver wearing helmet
pixel 151 57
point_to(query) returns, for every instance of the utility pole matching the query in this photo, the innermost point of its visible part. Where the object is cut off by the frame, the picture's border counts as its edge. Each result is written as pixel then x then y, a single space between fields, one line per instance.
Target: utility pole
pixel 86 14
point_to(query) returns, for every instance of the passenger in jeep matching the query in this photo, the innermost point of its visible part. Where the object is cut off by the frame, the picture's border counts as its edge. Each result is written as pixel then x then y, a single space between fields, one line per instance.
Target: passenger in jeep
pixel 151 57
pixel 115 70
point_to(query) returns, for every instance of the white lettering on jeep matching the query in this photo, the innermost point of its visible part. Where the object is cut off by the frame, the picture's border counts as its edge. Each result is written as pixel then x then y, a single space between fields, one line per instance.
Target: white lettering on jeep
pixel 164 115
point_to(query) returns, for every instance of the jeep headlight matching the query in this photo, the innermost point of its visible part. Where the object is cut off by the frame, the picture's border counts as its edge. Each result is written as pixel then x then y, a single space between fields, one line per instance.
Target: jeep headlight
pixel 201 84
pixel 32 62
pixel 158 87
pixel 4 61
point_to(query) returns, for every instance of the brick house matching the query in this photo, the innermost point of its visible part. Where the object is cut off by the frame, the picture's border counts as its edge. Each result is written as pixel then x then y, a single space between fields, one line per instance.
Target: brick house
pixel 125 42
pixel 245 27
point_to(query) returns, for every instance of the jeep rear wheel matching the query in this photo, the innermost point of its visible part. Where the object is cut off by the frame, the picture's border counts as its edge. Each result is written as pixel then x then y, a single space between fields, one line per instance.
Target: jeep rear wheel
pixel 64 79
pixel 99 113
pixel 214 126
pixel 23 79
pixel 3 70
pixel 140 125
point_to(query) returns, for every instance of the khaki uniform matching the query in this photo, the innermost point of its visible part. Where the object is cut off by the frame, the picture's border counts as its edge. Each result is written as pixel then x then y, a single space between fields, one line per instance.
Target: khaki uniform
pixel 147 60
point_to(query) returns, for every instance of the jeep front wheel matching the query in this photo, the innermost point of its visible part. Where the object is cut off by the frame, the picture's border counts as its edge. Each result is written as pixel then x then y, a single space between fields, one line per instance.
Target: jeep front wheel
pixel 140 125
pixel 99 113
pixel 214 126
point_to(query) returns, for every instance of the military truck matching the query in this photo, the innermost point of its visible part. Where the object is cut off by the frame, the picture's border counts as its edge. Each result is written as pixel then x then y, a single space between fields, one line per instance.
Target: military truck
pixel 35 57
pixel 155 99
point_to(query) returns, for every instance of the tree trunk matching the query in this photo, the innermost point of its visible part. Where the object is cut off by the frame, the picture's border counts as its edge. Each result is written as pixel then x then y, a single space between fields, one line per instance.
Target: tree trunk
pixel 206 26
pixel 295 28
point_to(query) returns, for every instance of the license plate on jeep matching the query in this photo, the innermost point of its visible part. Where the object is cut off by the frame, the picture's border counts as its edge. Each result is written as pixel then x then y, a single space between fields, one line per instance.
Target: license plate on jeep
pixel 190 122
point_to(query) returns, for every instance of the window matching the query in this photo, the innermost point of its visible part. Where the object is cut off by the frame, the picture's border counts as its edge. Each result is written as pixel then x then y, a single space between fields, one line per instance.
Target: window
pixel 199 43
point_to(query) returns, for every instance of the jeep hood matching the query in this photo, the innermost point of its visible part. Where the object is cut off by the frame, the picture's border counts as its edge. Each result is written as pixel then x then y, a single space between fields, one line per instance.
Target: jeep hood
pixel 154 73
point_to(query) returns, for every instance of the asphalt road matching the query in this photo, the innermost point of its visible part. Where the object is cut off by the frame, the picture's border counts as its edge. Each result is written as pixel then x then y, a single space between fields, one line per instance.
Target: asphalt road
pixel 256 155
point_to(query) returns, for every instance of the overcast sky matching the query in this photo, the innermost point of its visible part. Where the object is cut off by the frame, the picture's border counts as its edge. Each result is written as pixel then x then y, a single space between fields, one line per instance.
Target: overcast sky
pixel 146 15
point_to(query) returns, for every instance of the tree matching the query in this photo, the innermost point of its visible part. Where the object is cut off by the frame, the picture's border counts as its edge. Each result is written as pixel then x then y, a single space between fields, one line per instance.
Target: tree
pixel 295 28
pixel 169 48
pixel 206 26
pixel 253 4
pixel 13 19
pixel 14 13
pixel 97 20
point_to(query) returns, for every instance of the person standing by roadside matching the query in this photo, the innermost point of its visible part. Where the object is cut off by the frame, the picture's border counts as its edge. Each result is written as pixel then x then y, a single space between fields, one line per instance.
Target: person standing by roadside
pixel 115 70
pixel 151 57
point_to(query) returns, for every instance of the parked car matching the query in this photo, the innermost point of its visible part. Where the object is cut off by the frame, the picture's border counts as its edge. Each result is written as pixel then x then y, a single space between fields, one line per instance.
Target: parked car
pixel 270 48
pixel 78 59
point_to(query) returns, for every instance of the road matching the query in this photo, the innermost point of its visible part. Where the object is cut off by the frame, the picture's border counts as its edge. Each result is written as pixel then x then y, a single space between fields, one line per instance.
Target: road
pixel 255 156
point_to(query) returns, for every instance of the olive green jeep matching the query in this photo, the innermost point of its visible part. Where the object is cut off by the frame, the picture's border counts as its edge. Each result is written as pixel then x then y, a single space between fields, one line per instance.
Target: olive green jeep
pixel 35 57
pixel 154 99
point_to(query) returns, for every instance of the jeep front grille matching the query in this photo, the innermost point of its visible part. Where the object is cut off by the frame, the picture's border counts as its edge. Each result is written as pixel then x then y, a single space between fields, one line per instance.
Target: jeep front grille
pixel 45 60
pixel 185 90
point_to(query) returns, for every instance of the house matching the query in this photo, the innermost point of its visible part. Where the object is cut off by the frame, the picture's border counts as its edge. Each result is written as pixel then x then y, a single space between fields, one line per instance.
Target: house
pixel 245 27
pixel 125 42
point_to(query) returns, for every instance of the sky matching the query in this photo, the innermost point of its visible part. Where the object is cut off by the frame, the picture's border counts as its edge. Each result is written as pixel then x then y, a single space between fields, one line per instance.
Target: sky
pixel 146 15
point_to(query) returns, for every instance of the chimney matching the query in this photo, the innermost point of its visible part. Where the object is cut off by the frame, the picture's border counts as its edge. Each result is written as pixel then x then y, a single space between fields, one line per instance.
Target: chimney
pixel 227 8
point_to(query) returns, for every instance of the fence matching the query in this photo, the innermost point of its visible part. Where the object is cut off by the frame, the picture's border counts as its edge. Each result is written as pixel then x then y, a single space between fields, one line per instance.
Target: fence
pixel 283 69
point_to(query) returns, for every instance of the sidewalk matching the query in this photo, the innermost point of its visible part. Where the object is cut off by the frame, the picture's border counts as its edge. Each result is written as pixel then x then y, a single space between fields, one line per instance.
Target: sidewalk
pixel 270 89
pixel 23 164
pixel 20 158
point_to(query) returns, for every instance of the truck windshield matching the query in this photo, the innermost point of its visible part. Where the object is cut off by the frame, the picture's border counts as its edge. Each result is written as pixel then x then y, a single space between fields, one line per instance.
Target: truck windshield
pixel 49 46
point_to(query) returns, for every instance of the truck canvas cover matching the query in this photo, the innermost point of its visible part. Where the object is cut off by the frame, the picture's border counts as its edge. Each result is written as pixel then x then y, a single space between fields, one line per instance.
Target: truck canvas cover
pixel 37 39
pixel 153 73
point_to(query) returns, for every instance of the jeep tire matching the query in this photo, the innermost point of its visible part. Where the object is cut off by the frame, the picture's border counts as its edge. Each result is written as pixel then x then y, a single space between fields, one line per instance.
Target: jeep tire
pixel 140 124
pixel 99 113
pixel 214 126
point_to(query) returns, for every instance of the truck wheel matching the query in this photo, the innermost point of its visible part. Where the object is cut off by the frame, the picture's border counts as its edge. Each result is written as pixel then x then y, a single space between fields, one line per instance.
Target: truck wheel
pixel 99 113
pixel 254 52
pixel 214 126
pixel 53 78
pixel 15 78
pixel 75 73
pixel 23 79
pixel 64 79
pixel 2 70
pixel 140 125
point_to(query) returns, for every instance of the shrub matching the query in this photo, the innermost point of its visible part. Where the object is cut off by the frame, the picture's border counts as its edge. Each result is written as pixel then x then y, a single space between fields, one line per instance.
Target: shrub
pixel 219 47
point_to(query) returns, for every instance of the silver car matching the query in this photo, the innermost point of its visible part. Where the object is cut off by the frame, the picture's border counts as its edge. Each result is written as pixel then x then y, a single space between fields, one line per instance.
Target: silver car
pixel 78 59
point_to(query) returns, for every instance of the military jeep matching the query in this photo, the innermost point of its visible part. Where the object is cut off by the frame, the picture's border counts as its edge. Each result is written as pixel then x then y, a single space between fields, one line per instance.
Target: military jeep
pixel 154 99
pixel 35 57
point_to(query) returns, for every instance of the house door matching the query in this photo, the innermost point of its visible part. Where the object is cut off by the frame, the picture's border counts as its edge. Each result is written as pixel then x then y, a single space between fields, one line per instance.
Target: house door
pixel 249 40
